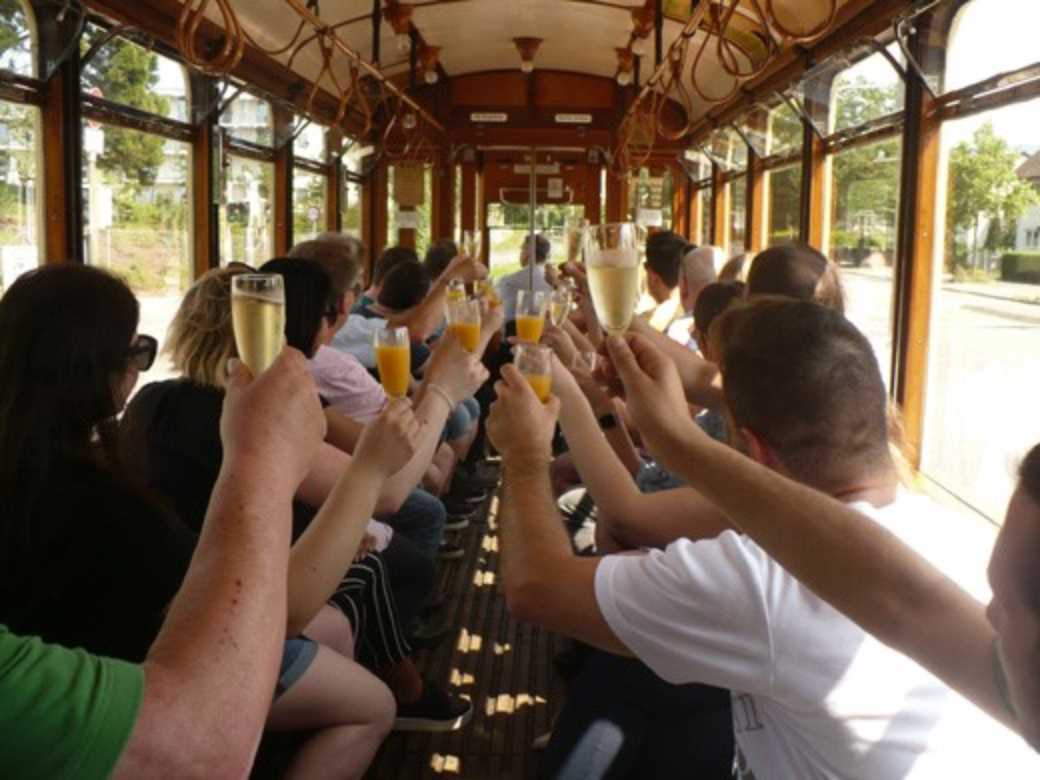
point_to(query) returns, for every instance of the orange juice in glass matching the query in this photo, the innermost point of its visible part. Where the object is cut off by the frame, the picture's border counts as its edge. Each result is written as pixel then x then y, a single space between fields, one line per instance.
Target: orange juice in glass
pixel 534 362
pixel 393 357
pixel 485 289
pixel 464 322
pixel 530 315
pixel 456 290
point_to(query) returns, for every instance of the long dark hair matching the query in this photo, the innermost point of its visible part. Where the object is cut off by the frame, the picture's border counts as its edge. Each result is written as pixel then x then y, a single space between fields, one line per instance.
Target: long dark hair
pixel 65 334
pixel 308 298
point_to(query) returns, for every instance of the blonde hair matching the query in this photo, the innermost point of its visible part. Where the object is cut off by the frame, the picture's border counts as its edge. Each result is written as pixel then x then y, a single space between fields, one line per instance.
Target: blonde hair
pixel 200 339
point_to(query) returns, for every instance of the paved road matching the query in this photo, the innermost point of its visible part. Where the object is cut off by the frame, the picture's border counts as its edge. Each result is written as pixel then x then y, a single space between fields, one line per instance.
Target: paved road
pixel 983 384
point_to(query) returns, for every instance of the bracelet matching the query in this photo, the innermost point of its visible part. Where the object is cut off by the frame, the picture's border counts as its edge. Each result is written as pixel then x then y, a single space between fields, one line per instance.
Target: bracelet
pixel 436 388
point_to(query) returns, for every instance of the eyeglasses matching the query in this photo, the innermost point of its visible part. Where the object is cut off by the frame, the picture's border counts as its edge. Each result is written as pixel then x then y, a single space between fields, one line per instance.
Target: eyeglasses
pixel 142 352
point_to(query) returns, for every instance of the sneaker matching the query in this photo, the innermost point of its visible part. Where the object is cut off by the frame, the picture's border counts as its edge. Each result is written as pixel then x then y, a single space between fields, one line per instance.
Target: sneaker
pixel 431 631
pixel 457 523
pixel 435 710
pixel 462 505
pixel 478 476
pixel 450 552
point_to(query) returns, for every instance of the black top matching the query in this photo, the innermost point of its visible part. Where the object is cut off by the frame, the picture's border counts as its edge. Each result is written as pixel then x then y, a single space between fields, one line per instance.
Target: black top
pixel 104 579
pixel 171 430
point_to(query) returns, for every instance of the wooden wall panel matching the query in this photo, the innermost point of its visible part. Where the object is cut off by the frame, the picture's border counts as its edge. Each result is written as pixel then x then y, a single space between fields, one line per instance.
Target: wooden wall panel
pixel 758 205
pixel 561 90
pixel 502 88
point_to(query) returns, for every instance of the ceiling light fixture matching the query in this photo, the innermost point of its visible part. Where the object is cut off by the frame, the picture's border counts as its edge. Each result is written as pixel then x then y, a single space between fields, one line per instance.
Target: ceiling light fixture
pixel 428 56
pixel 527 47
pixel 399 17
pixel 642 24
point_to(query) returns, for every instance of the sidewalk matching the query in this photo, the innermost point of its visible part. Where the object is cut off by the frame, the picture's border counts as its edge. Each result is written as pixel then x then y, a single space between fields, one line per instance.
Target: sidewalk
pixel 1006 291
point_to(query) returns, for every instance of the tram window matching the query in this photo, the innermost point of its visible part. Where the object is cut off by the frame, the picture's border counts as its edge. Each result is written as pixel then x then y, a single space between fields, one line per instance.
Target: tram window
pixel 20 191
pixel 350 197
pixel 868 90
pixel 16 38
pixel 310 143
pixel 308 204
pixel 984 367
pixel 650 198
pixel 784 186
pixel 126 73
pixel 736 195
pixel 250 119
pixel 785 130
pixel 706 215
pixel 246 226
pixel 865 203
pixel 457 190
pixel 422 212
pixel 138 218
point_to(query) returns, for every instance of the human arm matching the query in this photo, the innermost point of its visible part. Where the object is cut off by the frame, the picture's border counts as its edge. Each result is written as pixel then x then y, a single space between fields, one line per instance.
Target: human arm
pixel 701 379
pixel 544 582
pixel 219 648
pixel 342 431
pixel 832 548
pixel 324 551
pixel 426 316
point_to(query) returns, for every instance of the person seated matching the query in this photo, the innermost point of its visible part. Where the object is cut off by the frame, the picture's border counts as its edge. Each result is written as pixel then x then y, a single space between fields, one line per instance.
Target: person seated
pixel 664 255
pixel 90 558
pixel 735 269
pixel 696 272
pixel 510 285
pixel 96 717
pixel 813 694
pixel 390 259
pixel 439 256
pixel 171 428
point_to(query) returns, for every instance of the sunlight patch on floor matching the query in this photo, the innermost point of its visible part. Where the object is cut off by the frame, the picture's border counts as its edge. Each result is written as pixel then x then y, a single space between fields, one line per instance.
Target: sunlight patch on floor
pixel 442 764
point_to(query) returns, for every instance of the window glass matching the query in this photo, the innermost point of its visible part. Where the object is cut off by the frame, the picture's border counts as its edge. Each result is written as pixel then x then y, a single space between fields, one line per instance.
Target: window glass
pixel 16 39
pixel 20 191
pixel 737 196
pixel 310 143
pixel 422 212
pixel 246 226
pixel 706 216
pixel 249 118
pixel 865 200
pixel 984 364
pixel 650 198
pixel 509 225
pixel 138 219
pixel 989 37
pixel 785 130
pixel 124 72
pixel 868 90
pixel 784 187
pixel 457 173
pixel 308 204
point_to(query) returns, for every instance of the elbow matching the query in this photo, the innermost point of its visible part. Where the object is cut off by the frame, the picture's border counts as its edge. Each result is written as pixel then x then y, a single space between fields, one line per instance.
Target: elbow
pixel 525 601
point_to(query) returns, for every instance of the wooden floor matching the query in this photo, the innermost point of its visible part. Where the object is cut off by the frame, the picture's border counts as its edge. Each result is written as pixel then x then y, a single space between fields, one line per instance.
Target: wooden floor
pixel 503 667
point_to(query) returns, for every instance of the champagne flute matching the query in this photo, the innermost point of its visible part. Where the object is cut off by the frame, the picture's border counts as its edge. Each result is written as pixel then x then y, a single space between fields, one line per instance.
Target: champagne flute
pixel 530 315
pixel 464 322
pixel 559 305
pixel 393 356
pixel 485 288
pixel 534 362
pixel 456 290
pixel 258 318
pixel 612 264
pixel 471 244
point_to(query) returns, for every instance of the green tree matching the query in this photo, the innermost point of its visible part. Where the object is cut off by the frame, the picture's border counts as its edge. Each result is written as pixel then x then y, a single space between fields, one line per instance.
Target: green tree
pixel 127 73
pixel 15 38
pixel 985 191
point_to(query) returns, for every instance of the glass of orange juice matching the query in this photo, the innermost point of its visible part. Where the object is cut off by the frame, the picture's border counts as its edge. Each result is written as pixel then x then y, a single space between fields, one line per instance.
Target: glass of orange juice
pixel 464 322
pixel 534 362
pixel 485 288
pixel 456 290
pixel 530 315
pixel 393 356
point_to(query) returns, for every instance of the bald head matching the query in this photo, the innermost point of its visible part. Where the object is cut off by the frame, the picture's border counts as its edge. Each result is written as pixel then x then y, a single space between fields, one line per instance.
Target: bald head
pixel 698 271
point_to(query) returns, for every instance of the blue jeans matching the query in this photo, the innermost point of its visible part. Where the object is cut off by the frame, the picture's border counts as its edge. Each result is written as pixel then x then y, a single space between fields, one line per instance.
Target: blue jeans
pixel 462 418
pixel 420 520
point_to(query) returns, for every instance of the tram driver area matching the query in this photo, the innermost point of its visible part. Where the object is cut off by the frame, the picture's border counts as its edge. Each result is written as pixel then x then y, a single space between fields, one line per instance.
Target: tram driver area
pixel 440 391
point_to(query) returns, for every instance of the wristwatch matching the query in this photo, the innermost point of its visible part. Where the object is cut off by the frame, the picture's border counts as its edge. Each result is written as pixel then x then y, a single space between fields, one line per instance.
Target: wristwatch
pixel 607 421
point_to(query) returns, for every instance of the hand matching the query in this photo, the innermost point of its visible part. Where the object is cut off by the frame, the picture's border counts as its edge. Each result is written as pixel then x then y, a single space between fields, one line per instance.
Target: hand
pixel 390 440
pixel 274 422
pixel 520 426
pixel 466 268
pixel 456 371
pixel 562 345
pixel 653 391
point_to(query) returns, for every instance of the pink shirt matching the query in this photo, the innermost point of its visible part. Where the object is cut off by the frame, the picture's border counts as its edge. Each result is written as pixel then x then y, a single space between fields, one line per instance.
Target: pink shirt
pixel 346 384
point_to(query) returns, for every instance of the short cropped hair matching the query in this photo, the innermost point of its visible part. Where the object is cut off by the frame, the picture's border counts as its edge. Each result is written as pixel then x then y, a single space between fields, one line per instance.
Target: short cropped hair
pixel 664 254
pixel 797 271
pixel 713 301
pixel 309 298
pixel 806 382
pixel 389 259
pixel 542 247
pixel 405 286
pixel 698 265
pixel 340 255
pixel 439 255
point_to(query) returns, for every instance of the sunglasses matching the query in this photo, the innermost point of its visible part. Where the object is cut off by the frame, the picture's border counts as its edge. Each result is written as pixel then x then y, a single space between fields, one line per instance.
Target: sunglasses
pixel 142 352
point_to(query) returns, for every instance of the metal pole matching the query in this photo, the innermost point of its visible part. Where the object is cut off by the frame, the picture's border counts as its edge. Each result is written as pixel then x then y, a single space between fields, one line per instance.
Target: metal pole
pixel 532 251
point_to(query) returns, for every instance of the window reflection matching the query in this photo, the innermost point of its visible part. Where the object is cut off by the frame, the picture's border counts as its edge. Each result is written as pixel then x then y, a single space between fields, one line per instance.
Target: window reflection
pixel 308 204
pixel 246 227
pixel 785 204
pixel 249 118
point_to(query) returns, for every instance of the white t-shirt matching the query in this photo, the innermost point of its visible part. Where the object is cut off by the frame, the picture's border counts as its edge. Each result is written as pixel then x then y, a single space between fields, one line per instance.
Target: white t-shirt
pixel 814 696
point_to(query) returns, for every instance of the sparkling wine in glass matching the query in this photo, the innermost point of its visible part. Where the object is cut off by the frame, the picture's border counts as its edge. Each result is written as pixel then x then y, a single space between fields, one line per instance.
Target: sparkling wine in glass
pixel 258 318
pixel 612 265
pixel 393 357
pixel 559 305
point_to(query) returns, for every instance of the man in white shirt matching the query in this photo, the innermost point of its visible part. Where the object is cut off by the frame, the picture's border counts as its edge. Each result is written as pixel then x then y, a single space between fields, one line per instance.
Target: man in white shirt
pixel 511 284
pixel 813 695
pixel 664 253
pixel 698 270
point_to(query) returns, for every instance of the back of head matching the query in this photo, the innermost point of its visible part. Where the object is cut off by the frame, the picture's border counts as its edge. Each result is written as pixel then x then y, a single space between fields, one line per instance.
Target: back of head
pixel 542 247
pixel 806 383
pixel 796 271
pixel 309 298
pixel 734 269
pixel 698 265
pixel 438 256
pixel 1029 473
pixel 664 256
pixel 713 301
pixel 201 337
pixel 405 286
pixel 390 258
pixel 341 256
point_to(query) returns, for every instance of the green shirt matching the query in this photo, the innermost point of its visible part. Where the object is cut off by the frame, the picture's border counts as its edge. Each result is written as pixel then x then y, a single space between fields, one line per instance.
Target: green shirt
pixel 63 713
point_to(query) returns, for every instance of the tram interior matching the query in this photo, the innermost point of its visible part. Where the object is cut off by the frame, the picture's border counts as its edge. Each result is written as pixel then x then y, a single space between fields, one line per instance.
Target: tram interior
pixel 888 148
